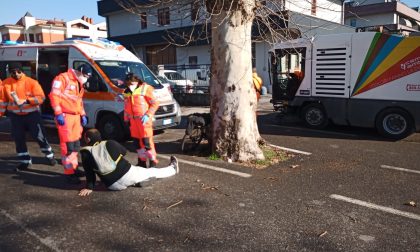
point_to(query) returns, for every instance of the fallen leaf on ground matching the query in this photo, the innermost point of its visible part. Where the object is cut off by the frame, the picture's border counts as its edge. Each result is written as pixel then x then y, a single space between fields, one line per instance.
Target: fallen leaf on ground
pixel 411 203
pixel 322 234
pixel 294 166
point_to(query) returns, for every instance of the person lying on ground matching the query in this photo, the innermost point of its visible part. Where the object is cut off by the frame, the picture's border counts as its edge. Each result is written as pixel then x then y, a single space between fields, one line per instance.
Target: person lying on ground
pixel 106 159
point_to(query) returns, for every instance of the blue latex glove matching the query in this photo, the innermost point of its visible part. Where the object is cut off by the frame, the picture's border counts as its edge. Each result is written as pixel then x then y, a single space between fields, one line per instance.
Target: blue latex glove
pixel 144 119
pixel 84 121
pixel 60 119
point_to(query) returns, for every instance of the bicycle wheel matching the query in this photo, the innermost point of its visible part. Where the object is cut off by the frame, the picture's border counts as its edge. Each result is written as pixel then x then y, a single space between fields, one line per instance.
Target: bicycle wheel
pixel 191 142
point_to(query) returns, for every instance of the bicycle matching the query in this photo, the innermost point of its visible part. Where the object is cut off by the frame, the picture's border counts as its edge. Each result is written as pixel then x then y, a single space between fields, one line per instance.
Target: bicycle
pixel 198 129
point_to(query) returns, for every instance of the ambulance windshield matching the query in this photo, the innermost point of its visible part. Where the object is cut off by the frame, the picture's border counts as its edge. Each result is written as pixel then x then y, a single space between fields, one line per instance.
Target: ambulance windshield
pixel 117 70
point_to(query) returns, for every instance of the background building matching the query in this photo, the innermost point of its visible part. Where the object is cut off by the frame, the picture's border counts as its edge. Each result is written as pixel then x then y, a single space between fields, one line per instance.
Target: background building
pixel 32 29
pixel 146 31
pixel 382 15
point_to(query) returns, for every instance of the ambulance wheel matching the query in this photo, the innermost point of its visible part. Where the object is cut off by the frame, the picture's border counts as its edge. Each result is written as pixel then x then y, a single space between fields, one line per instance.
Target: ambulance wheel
pixel 314 116
pixel 111 127
pixel 394 123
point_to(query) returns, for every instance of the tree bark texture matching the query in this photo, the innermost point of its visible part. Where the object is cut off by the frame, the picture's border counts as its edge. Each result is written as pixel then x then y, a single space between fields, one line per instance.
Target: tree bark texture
pixel 233 100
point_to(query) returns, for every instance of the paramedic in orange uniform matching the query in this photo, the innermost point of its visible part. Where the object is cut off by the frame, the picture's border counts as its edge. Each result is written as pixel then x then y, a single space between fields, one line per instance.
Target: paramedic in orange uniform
pixel 20 97
pixel 66 100
pixel 140 106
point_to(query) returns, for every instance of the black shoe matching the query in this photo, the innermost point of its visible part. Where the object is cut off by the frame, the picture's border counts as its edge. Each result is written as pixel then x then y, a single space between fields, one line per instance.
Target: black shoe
pixel 174 163
pixel 142 163
pixel 79 173
pixel 52 161
pixel 72 179
pixel 23 167
pixel 138 184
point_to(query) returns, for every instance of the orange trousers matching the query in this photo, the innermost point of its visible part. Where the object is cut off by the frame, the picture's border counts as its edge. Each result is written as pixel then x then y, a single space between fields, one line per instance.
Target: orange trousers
pixel 70 134
pixel 144 133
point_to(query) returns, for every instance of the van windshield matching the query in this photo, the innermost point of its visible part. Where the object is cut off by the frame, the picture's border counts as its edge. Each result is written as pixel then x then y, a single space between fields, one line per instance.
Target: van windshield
pixel 117 70
pixel 174 76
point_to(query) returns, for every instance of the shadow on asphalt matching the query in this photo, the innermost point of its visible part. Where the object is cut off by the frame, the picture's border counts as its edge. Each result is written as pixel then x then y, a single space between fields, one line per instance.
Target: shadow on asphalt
pixel 275 124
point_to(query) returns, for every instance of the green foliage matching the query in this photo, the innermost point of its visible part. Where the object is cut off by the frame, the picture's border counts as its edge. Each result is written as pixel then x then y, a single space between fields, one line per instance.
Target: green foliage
pixel 214 157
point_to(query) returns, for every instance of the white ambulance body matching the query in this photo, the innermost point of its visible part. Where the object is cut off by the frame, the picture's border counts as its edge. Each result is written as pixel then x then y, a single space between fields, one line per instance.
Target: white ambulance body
pixel 103 93
pixel 359 79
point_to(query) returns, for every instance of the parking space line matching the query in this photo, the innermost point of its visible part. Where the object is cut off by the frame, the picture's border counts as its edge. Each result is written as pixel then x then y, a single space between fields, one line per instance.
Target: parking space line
pixel 214 168
pixel 290 150
pixel 376 207
pixel 46 241
pixel 399 169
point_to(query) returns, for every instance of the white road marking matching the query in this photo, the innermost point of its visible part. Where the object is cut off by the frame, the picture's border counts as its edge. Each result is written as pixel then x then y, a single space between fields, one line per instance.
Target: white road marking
pixel 291 150
pixel 399 169
pixel 46 241
pixel 376 207
pixel 214 168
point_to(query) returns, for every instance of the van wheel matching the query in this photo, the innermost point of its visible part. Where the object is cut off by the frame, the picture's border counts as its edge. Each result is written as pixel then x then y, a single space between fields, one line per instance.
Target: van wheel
pixel 314 116
pixel 111 127
pixel 394 123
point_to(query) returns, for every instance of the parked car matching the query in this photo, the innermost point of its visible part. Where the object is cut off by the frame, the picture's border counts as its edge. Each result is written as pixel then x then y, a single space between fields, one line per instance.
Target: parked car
pixel 185 84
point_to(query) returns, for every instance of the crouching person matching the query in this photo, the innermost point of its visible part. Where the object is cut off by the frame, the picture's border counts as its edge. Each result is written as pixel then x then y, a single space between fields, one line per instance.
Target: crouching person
pixel 106 159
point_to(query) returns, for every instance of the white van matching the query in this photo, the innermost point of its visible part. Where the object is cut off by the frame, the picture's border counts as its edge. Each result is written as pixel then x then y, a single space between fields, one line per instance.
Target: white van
pixel 103 98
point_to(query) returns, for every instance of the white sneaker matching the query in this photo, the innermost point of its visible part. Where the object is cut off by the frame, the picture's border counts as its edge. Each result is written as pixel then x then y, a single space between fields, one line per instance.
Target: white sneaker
pixel 174 163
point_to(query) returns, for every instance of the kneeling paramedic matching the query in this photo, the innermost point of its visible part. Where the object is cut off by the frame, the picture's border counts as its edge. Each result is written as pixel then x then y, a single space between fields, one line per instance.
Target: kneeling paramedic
pixel 66 100
pixel 106 159
pixel 21 98
pixel 140 106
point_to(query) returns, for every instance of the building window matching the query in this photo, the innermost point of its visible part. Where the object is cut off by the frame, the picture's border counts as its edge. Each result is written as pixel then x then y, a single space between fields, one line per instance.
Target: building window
pixel 163 16
pixel 143 17
pixel 31 38
pixel 313 7
pixel 192 60
pixel 195 8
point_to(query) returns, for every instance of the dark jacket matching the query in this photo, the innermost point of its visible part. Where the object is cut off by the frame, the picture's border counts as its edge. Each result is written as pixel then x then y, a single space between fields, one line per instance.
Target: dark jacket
pixel 89 165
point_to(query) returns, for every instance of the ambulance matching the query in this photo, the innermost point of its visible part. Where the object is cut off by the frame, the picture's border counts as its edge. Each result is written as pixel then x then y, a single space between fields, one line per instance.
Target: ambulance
pixel 103 97
pixel 362 79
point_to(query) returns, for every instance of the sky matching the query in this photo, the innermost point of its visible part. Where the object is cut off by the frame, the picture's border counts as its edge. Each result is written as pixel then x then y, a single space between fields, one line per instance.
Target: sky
pixel 12 11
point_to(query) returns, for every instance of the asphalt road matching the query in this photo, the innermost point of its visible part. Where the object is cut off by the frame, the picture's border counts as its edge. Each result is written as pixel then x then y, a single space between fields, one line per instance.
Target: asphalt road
pixel 345 193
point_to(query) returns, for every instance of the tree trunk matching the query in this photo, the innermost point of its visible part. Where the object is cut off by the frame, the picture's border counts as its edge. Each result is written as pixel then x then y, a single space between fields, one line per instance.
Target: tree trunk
pixel 233 99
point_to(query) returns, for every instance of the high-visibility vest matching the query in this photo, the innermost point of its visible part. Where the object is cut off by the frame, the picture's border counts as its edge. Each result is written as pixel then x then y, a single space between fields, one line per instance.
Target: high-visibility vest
pixel 257 82
pixel 67 94
pixel 104 162
pixel 140 102
pixel 26 89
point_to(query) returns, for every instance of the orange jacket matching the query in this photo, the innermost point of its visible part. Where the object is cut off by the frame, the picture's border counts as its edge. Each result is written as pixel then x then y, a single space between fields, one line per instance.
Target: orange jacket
pixel 66 94
pixel 140 102
pixel 26 89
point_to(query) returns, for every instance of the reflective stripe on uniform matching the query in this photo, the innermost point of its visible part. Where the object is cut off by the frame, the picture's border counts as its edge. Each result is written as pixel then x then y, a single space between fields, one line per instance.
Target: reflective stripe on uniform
pixel 23 154
pixel 28 161
pixel 46 149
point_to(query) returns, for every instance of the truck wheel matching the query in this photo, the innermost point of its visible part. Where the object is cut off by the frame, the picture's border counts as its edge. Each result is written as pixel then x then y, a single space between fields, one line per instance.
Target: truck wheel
pixel 394 123
pixel 314 116
pixel 111 127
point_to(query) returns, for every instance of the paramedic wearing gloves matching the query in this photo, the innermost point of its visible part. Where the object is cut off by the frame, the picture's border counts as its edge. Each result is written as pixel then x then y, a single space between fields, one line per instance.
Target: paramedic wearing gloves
pixel 140 106
pixel 66 100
